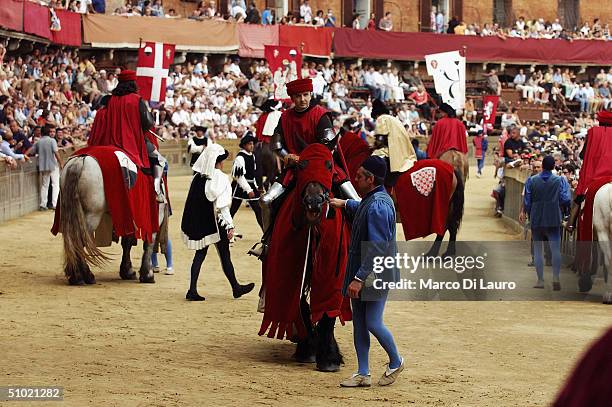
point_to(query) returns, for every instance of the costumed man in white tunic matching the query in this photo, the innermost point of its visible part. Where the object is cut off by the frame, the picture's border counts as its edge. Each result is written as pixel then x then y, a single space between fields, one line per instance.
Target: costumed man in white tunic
pixel 207 219
pixel 244 186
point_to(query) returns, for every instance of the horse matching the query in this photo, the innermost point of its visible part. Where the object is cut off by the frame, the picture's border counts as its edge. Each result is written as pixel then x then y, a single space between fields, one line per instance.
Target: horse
pixel 457 195
pixel 267 165
pixel 82 207
pixel 309 246
pixel 459 161
pixel 602 226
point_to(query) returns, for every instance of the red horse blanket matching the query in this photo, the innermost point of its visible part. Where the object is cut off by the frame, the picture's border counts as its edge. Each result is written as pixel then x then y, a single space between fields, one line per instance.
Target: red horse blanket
pixel 284 265
pixel 447 134
pixel 585 226
pixel 133 211
pixel 423 194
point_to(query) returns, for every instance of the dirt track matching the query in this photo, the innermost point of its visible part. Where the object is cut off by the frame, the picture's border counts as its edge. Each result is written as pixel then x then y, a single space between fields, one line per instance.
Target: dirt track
pixel 125 343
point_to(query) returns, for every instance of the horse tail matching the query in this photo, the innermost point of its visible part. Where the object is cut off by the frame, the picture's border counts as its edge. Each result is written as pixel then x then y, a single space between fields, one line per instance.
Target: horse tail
pixel 457 202
pixel 79 246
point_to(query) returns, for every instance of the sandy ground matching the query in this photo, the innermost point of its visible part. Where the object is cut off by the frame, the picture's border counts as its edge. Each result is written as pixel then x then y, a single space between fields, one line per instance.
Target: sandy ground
pixel 126 343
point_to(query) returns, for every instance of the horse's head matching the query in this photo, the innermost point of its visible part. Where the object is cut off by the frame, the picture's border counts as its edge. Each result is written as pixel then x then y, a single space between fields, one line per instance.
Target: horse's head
pixel 314 179
pixel 314 198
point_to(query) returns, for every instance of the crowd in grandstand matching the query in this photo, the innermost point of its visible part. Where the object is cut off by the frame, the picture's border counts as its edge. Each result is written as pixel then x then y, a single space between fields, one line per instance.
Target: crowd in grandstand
pixel 247 12
pixel 60 89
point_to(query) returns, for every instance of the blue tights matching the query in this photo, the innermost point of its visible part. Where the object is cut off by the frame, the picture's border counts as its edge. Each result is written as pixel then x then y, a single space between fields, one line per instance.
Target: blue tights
pixel 154 262
pixel 554 239
pixel 368 317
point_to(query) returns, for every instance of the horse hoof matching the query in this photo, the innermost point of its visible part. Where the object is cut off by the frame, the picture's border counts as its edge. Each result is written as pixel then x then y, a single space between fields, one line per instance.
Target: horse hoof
pixel 128 276
pixel 585 284
pixel 74 281
pixel 305 358
pixel 90 279
pixel 328 367
pixel 147 279
pixel 607 298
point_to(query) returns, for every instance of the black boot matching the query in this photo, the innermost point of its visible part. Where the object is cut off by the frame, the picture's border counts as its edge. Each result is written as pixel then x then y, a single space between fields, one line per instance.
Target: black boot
pixel 193 296
pixel 242 289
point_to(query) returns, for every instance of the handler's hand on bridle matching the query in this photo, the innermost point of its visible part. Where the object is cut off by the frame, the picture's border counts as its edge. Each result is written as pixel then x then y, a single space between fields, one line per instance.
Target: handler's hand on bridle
pixel 337 203
pixel 230 234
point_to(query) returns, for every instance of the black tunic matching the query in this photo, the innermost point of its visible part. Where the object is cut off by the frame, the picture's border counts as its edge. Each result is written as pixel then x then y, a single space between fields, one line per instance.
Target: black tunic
pixel 198 142
pixel 248 172
pixel 199 223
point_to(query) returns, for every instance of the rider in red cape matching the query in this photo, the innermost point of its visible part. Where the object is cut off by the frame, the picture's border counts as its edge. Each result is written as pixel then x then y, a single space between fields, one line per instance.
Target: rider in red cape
pixel 304 124
pixel 303 129
pixel 447 134
pixel 596 160
pixel 596 171
pixel 124 121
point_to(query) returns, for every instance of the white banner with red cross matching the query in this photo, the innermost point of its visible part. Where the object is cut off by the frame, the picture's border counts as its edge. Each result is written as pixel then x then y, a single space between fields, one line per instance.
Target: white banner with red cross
pixel 154 60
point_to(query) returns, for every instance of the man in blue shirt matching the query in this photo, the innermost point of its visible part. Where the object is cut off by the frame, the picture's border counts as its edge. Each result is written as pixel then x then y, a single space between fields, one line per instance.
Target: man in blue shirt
pixel 420 154
pixel 373 220
pixel 545 194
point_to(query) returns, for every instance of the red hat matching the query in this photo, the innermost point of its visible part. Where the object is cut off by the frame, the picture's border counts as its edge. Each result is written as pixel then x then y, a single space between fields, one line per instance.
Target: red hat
pixel 299 86
pixel 604 118
pixel 127 75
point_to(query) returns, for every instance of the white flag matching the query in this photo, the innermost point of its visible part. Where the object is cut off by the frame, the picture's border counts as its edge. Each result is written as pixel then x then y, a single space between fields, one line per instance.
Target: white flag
pixel 448 71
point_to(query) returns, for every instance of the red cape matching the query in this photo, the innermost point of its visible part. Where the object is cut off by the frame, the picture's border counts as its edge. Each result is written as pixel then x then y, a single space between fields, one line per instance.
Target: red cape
pixel 134 211
pixel 423 215
pixel 118 124
pixel 447 134
pixel 284 263
pixel 597 158
pixel 355 150
pixel 589 384
pixel 299 129
pixel 585 225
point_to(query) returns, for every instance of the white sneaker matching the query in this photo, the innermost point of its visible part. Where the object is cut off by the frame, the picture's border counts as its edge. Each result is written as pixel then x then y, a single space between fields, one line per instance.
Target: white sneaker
pixel 169 271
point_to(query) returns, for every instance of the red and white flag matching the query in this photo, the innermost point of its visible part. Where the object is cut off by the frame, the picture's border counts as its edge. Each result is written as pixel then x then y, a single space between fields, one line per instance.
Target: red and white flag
pixel 489 108
pixel 154 60
pixel 286 66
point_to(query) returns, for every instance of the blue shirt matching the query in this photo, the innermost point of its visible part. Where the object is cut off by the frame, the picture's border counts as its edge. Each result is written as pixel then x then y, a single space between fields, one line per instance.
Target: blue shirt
pixel 5 148
pixel 379 227
pixel 565 197
pixel 266 17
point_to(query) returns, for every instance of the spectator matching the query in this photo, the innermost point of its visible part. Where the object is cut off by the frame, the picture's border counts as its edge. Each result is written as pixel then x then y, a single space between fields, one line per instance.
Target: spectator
pixel 454 22
pixel 420 154
pixel 266 16
pixel 253 16
pixel 355 23
pixel 386 23
pixel 493 83
pixel 306 12
pixel 330 20
pixel 372 22
pixel 318 20
pixel 49 165
pixel 481 145
pixel 513 145
pixel 421 98
pixel 439 22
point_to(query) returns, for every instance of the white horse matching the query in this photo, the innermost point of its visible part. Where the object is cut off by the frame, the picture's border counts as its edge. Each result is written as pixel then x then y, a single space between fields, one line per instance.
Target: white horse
pixel 83 205
pixel 602 224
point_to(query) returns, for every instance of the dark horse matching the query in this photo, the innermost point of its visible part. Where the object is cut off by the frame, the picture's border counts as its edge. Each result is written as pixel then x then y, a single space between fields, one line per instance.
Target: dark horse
pixel 267 165
pixel 304 267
